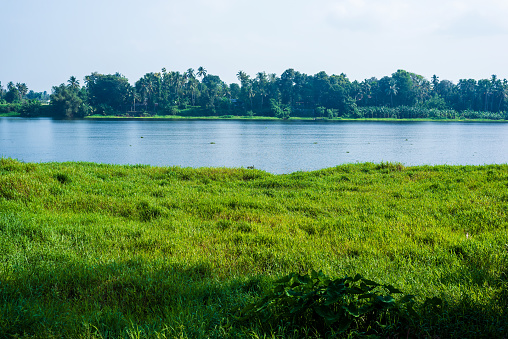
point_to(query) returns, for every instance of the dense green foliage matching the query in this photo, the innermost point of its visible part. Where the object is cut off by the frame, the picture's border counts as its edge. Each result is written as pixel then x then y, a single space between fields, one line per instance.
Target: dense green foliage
pixel 17 100
pixel 106 251
pixel 14 93
pixel 401 95
pixel 332 306
pixel 69 102
pixel 108 93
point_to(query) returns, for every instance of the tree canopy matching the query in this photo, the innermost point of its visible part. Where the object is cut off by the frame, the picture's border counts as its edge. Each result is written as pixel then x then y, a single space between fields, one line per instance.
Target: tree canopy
pixel 401 94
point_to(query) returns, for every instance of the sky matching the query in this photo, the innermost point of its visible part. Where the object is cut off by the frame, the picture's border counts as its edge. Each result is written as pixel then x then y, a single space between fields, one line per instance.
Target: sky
pixel 44 42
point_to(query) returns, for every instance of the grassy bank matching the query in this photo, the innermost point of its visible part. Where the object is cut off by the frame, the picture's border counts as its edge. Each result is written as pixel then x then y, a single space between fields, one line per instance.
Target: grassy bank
pixel 10 114
pixel 108 251
pixel 259 118
pixel 181 117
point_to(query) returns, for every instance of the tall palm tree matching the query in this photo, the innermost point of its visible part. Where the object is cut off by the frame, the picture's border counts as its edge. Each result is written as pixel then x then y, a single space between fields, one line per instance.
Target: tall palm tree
pixel 261 82
pixel 503 94
pixel 201 72
pixel 250 94
pixel 366 89
pixel 261 77
pixel 177 83
pixel 435 82
pixel 497 90
pixel 144 88
pixel 485 87
pixel 192 85
pixel 73 82
pixel 242 76
pixel 392 90
pixel 22 90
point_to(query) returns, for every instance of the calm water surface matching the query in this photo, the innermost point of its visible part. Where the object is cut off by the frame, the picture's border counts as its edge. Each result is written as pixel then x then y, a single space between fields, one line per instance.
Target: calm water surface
pixel 273 146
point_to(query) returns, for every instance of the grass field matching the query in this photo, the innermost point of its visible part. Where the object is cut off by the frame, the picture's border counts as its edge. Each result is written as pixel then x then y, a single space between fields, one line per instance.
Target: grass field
pixel 107 251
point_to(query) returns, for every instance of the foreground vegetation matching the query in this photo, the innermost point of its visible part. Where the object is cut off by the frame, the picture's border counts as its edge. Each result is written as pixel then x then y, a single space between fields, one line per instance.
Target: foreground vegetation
pixel 107 251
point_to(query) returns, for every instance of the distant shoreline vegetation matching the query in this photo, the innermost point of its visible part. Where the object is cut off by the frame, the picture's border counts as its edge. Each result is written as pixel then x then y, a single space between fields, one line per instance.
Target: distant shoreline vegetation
pixel 197 94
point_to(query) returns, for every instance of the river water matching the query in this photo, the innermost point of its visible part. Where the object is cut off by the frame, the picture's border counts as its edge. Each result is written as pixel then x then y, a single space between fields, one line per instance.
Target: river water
pixel 273 146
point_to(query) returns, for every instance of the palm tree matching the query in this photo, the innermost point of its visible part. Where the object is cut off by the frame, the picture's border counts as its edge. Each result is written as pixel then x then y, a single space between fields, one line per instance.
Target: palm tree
pixel 201 72
pixel 485 87
pixel 497 91
pixel 22 89
pixel 503 94
pixel 192 85
pixel 131 94
pixel 242 76
pixel 73 82
pixel 177 80
pixel 144 88
pixel 435 82
pixel 261 77
pixel 392 90
pixel 246 86
pixel 185 79
pixel 261 81
pixel 366 91
pixel 250 94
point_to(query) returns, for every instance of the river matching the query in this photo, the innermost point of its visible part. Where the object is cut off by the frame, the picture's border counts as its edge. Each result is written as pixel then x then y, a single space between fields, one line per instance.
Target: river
pixel 274 146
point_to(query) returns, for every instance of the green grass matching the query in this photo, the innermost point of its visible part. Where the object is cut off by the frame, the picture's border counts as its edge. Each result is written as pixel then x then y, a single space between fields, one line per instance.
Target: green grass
pixel 106 251
pixel 240 117
pixel 259 118
pixel 10 114
pixel 180 117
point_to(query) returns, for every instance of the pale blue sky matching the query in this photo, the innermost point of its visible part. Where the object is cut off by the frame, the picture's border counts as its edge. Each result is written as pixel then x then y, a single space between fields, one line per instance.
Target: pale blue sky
pixel 45 42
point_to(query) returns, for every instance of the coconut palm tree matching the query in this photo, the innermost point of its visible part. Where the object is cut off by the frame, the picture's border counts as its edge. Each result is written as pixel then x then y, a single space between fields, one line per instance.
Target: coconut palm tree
pixel 177 81
pixel 201 72
pixel 243 77
pixel 485 87
pixel 192 85
pixel 435 82
pixel 261 84
pixel 365 91
pixel 73 82
pixel 497 90
pixel 392 90
pixel 22 90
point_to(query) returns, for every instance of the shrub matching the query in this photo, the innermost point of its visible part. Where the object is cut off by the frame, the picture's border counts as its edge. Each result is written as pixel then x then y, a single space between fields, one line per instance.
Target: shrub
pixel 330 306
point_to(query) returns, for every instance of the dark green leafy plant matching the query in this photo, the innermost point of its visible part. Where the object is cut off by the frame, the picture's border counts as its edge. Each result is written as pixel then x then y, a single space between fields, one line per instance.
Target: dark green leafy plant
pixel 331 306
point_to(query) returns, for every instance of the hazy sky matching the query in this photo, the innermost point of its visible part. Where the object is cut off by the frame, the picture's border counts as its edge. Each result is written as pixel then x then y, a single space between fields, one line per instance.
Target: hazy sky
pixel 44 42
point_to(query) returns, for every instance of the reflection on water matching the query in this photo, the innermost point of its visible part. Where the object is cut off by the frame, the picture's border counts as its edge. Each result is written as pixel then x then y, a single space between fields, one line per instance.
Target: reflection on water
pixel 274 146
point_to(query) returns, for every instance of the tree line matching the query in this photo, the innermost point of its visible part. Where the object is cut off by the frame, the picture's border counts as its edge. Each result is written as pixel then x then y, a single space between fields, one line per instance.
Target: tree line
pixel 401 95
